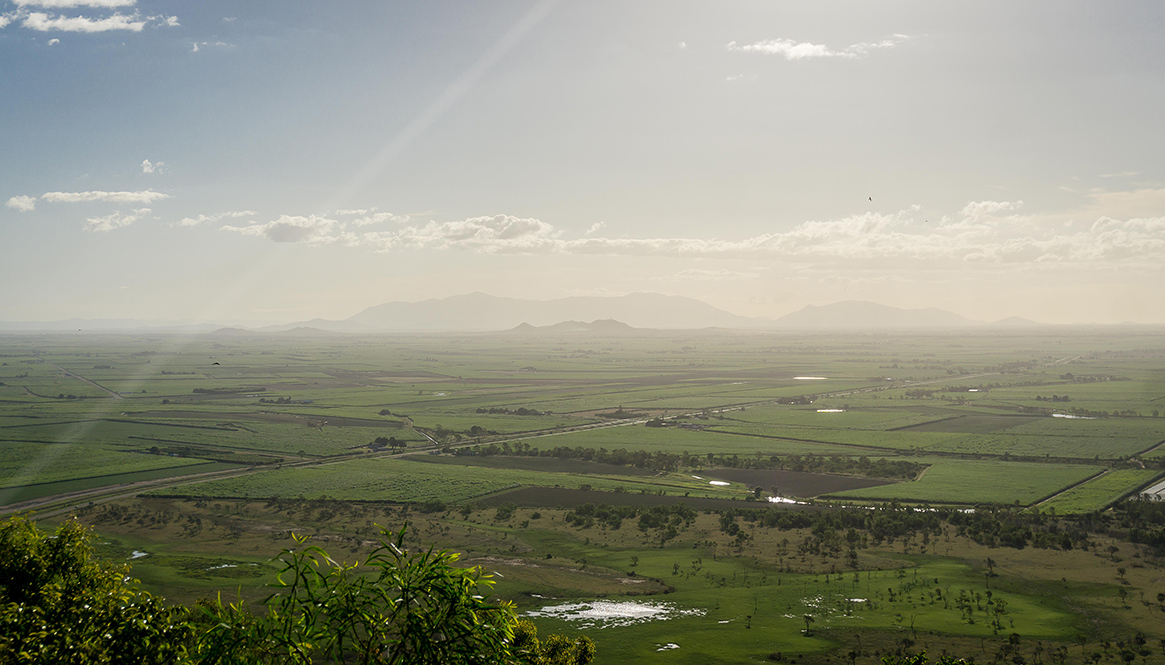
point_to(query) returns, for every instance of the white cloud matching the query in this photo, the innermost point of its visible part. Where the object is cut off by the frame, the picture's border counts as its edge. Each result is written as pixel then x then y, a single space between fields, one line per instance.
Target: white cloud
pixel 5 19
pixel 378 218
pixel 22 203
pixel 594 228
pixel 794 50
pixel 356 211
pixel 54 42
pixel 69 4
pixel 491 235
pixel 978 209
pixel 202 219
pixel 786 47
pixel 683 45
pixel 115 221
pixel 146 196
pixel 312 229
pixel 153 167
pixel 44 23
pixel 198 46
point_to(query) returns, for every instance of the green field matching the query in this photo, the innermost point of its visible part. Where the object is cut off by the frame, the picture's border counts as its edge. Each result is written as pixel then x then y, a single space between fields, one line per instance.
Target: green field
pixel 971 482
pixel 405 481
pixel 37 463
pixel 1099 492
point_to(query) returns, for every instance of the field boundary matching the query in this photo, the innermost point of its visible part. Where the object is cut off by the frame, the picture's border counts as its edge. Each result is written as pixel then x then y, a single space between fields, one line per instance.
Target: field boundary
pixel 929 422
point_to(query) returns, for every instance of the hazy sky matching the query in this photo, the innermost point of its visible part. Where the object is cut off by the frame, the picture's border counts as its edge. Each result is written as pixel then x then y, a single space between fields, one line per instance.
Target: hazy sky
pixel 286 160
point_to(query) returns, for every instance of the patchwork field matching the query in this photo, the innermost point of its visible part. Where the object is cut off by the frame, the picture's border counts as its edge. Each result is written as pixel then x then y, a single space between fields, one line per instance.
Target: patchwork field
pixel 979 409
pixel 648 469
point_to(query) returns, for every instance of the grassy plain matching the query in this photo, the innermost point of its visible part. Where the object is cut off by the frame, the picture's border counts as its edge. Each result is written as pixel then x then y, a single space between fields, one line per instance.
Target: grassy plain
pixel 958 399
pixel 717 601
pixel 292 418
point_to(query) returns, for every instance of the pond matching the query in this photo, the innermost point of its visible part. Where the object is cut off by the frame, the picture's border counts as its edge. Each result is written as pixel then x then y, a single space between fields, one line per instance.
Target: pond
pixel 610 614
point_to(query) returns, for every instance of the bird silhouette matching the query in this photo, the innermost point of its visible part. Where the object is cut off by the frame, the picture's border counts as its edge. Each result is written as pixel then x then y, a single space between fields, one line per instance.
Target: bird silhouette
pixel 871 198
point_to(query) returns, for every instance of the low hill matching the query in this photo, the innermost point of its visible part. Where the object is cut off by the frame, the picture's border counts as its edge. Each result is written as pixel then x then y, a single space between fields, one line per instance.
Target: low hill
pixel 1015 321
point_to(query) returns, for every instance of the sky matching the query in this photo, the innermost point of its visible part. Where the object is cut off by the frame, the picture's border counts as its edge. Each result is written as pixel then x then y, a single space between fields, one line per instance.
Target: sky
pixel 280 161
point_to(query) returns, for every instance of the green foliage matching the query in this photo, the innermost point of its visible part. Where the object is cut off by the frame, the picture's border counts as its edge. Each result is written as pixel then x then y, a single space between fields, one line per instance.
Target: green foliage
pixel 413 608
pixel 59 605
pixel 555 650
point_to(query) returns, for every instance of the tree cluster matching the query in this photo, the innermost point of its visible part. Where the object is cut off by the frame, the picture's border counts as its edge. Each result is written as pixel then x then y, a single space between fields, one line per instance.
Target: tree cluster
pixel 520 411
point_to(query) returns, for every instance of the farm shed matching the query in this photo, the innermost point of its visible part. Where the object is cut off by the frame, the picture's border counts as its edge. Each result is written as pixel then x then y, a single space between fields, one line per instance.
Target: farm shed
pixel 1156 492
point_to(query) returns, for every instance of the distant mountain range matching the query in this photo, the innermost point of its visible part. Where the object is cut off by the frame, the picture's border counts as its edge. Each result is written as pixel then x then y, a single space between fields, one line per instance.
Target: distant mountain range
pixel 479 312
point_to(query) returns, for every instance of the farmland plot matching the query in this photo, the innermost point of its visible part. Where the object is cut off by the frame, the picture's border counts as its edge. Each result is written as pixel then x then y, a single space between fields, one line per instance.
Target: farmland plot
pixel 972 481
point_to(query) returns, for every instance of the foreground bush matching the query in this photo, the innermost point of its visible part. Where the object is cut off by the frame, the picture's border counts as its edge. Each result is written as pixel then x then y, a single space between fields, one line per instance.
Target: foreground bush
pixel 59 605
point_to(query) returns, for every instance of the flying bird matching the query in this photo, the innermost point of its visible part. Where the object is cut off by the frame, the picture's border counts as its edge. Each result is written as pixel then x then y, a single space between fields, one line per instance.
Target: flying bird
pixel 871 198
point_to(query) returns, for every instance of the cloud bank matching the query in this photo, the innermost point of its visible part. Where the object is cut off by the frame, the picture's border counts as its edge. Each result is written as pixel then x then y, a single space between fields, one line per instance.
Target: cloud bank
pixel 145 196
pixel 60 16
pixel 71 4
pixel 982 234
pixel 794 50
